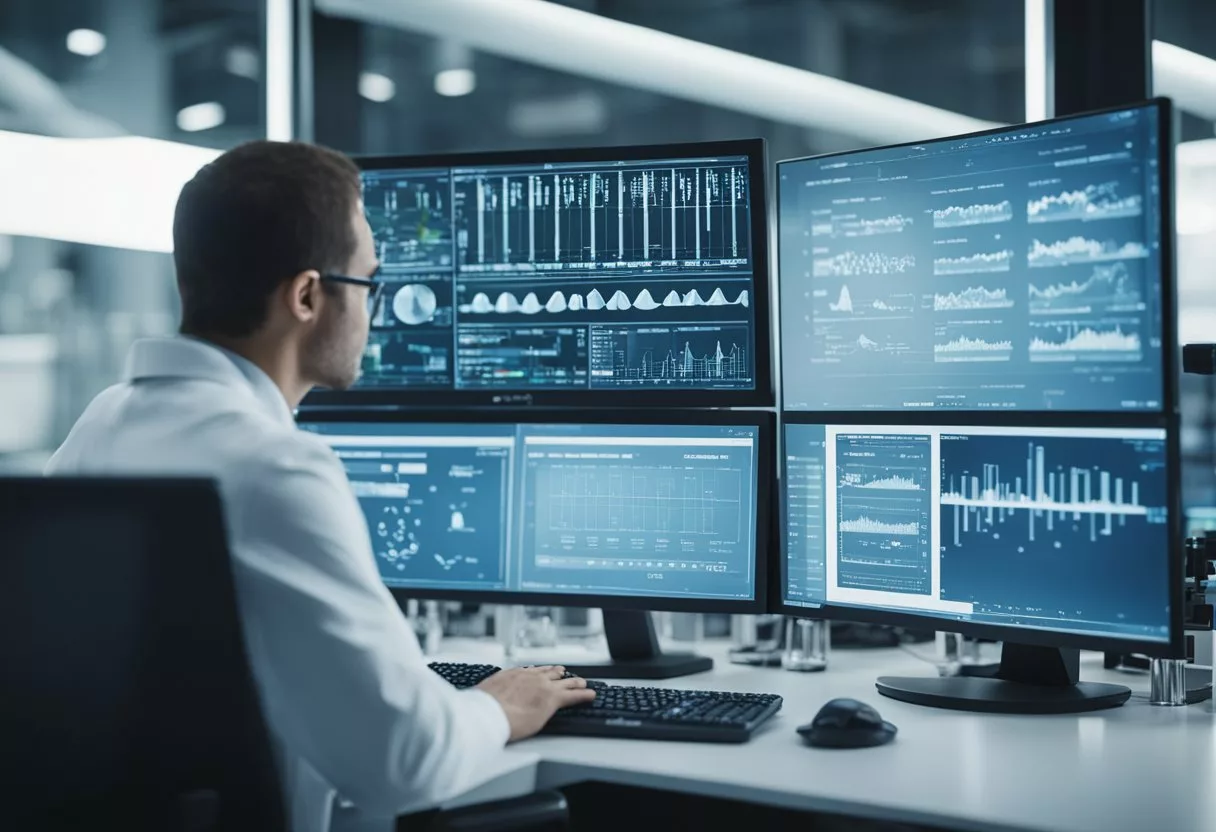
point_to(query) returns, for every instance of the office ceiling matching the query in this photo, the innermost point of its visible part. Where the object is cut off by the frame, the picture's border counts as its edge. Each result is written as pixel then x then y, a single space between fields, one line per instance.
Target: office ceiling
pixel 962 55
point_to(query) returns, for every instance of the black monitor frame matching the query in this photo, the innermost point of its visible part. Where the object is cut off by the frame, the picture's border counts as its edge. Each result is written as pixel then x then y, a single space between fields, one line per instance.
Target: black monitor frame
pixel 1174 647
pixel 1169 290
pixel 762 394
pixel 764 421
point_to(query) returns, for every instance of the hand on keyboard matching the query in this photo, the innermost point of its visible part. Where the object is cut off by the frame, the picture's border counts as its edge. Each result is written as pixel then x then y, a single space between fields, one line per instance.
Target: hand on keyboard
pixel 530 696
pixel 597 709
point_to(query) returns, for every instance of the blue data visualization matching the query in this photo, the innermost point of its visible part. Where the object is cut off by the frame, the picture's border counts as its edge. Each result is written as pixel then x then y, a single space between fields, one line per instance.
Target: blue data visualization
pixel 884 503
pixel 1064 529
pixel 637 513
pixel 1018 270
pixel 1026 522
pixel 633 510
pixel 564 276
pixel 435 500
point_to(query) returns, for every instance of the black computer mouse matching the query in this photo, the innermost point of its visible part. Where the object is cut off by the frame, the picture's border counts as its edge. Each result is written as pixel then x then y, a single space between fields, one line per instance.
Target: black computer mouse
pixel 847 723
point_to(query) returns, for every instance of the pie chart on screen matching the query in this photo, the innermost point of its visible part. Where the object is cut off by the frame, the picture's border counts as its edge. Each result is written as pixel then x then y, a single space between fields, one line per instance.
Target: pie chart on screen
pixel 414 304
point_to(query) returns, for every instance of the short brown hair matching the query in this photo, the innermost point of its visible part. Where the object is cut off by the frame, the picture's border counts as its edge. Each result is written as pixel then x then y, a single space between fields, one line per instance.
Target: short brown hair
pixel 253 218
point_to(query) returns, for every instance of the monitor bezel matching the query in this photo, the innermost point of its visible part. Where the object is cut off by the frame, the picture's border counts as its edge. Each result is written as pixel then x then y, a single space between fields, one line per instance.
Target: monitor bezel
pixel 763 420
pixel 1166 231
pixel 1173 647
pixel 763 394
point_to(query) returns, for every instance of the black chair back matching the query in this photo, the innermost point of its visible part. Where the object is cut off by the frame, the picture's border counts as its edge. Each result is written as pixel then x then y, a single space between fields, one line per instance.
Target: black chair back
pixel 126 697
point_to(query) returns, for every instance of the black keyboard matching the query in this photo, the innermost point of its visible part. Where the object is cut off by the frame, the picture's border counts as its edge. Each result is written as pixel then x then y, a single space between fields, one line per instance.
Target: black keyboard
pixel 645 713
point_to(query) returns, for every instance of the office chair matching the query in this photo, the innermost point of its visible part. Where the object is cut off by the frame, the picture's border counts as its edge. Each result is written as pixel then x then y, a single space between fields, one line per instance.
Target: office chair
pixel 128 701
pixel 126 697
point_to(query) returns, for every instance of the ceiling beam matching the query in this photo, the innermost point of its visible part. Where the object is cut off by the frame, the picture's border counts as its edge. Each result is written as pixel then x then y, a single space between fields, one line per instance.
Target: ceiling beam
pixel 580 43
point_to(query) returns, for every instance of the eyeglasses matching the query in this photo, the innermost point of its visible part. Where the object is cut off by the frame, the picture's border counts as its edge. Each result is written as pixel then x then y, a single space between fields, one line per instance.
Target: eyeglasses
pixel 375 289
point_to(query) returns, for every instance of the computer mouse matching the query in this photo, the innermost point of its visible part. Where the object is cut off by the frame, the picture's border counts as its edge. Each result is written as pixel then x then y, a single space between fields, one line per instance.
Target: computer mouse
pixel 847 723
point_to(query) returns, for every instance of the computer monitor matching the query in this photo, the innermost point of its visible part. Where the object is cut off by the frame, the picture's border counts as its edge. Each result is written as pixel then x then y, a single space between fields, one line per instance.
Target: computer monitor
pixel 596 277
pixel 1042 537
pixel 1027 268
pixel 621 510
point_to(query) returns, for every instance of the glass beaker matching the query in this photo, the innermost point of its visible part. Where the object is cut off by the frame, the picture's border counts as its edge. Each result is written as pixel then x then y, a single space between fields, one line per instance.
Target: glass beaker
pixel 807 643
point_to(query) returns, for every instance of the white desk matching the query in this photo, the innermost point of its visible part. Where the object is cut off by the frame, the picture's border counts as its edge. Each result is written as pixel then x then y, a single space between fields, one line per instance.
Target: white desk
pixel 1136 768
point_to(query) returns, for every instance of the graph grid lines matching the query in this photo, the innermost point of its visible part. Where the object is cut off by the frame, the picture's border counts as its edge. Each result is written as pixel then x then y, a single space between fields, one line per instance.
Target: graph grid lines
pixel 645 500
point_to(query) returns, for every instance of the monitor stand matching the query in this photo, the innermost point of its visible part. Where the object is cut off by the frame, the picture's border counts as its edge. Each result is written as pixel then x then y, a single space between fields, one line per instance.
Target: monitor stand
pixel 1031 680
pixel 634 647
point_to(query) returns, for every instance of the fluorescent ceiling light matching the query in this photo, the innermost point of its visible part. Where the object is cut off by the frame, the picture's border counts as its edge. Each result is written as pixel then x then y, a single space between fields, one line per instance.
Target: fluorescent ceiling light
pixel 1197 154
pixel 279 40
pixel 117 192
pixel 243 62
pixel 1185 76
pixel 584 113
pixel 1199 218
pixel 86 42
pixel 592 46
pixel 204 116
pixel 1038 96
pixel 453 83
pixel 376 87
pixel 1195 178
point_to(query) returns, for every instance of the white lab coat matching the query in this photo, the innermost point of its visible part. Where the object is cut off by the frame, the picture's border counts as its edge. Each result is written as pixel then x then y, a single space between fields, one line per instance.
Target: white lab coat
pixel 344 683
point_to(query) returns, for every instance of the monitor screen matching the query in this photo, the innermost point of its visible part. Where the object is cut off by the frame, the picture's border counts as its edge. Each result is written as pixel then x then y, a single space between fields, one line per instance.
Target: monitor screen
pixel 1020 269
pixel 563 279
pixel 1057 529
pixel 557 509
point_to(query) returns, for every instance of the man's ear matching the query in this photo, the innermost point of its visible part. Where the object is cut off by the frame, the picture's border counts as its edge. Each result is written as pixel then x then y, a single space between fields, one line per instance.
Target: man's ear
pixel 302 295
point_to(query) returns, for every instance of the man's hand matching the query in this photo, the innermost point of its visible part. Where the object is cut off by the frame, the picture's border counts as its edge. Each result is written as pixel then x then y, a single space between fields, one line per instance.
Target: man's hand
pixel 529 696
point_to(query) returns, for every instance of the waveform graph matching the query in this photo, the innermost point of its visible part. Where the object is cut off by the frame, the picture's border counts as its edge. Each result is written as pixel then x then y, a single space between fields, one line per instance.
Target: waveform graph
pixel 1081 249
pixel 884 505
pixel 1102 288
pixel 981 263
pixel 862 341
pixel 604 217
pixel 883 479
pixel 971 350
pixel 1086 341
pixel 972 298
pixel 1097 201
pixel 606 301
pixel 627 504
pixel 863 524
pixel 1028 521
pixel 982 213
pixel 704 356
pixel 596 499
pixel 831 224
pixel 410 216
pixel 853 264
pixel 983 340
pixel 861 301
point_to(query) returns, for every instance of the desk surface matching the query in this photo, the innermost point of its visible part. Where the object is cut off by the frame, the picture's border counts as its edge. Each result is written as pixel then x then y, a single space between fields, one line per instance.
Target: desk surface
pixel 1136 767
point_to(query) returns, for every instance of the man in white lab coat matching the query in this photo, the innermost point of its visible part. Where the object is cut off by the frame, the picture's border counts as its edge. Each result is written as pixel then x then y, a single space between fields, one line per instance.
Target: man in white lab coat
pixel 276 268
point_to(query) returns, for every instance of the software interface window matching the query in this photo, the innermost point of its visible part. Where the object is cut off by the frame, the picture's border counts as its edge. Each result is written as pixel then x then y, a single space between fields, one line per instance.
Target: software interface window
pixel 603 275
pixel 1019 270
pixel 1052 528
pixel 582 509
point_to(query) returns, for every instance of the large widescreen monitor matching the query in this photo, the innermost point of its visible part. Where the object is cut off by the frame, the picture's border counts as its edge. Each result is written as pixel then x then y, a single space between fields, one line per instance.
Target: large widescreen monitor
pixel 634 275
pixel 1044 536
pixel 565 508
pixel 1027 268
